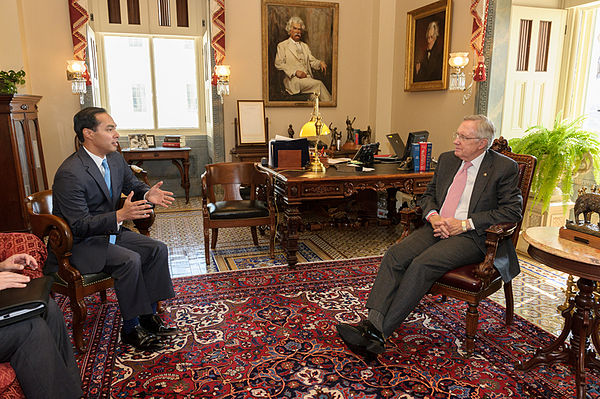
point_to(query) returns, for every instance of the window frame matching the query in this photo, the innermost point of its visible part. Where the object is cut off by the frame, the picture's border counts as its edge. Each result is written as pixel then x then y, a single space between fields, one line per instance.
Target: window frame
pixel 200 79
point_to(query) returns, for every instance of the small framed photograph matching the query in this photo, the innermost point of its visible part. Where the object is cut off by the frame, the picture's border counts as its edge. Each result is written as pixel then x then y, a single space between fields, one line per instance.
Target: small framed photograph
pixel 427 44
pixel 150 141
pixel 251 119
pixel 138 141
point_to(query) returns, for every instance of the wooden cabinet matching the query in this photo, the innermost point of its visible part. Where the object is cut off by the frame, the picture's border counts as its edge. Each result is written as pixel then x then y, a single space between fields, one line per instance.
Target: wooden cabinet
pixel 21 159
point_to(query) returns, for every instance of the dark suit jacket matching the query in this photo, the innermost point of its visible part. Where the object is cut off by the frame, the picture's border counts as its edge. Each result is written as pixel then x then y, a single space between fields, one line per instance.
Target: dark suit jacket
pixel 432 66
pixel 81 198
pixel 496 198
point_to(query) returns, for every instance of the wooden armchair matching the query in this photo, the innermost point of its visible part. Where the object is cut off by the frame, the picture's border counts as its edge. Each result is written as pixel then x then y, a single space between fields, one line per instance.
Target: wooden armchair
pixel 233 211
pixel 68 280
pixel 474 282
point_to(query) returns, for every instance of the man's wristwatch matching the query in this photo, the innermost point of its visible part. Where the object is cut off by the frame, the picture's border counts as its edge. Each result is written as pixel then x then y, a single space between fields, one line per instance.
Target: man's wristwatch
pixel 464 225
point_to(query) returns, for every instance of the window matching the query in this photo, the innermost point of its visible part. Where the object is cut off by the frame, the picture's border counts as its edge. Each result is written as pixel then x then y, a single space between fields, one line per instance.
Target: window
pixel 592 99
pixel 151 82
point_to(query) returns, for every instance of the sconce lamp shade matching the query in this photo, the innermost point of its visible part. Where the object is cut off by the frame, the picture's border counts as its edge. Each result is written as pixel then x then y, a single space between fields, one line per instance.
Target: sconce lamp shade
pixel 222 71
pixel 459 60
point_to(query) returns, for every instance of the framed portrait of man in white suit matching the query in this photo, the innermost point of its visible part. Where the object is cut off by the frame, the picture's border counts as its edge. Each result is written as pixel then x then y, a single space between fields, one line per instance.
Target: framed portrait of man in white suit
pixel 299 52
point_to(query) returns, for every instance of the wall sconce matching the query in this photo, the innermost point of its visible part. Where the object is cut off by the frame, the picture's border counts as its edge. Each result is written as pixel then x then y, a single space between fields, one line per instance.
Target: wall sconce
pixel 315 128
pixel 457 76
pixel 75 71
pixel 222 72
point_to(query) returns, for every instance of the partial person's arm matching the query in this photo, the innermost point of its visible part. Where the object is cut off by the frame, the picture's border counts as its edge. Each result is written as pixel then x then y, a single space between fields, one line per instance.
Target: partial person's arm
pixel 509 203
pixel 8 277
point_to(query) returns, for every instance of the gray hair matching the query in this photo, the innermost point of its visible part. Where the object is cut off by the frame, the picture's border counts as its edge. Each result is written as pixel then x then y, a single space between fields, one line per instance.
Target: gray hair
pixel 294 20
pixel 436 28
pixel 485 127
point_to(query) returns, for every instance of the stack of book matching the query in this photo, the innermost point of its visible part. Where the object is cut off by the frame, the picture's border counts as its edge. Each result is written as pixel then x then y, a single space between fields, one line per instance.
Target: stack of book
pixel 421 155
pixel 174 140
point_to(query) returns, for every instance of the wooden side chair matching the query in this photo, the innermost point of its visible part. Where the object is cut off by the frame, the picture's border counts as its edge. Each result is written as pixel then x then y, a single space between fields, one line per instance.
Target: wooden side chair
pixel 68 280
pixel 474 282
pixel 233 211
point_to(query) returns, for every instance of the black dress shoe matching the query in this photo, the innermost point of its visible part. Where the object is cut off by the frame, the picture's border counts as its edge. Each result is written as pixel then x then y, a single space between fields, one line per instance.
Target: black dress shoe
pixel 141 339
pixel 154 324
pixel 363 335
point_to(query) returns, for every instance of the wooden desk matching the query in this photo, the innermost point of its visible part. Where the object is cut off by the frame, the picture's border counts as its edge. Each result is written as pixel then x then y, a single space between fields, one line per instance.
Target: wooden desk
pixel 580 260
pixel 180 157
pixel 292 188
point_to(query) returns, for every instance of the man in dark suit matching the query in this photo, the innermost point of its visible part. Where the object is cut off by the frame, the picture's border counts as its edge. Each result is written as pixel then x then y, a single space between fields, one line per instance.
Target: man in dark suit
pixel 86 192
pixel 472 188
pixel 429 65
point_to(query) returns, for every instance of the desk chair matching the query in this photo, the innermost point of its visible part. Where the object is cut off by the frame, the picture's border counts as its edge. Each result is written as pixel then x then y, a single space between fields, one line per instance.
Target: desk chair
pixel 472 283
pixel 68 280
pixel 233 211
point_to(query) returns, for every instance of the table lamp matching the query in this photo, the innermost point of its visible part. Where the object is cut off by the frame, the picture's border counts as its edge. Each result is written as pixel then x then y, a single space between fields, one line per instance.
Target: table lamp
pixel 315 128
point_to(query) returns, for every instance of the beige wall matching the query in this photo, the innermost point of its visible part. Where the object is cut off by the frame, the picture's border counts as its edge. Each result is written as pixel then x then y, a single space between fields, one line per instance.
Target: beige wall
pixel 244 50
pixel 370 75
pixel 438 112
pixel 41 46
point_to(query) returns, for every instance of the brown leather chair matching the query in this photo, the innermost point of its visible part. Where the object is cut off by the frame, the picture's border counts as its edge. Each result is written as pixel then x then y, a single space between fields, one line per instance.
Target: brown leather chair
pixel 472 283
pixel 68 280
pixel 233 211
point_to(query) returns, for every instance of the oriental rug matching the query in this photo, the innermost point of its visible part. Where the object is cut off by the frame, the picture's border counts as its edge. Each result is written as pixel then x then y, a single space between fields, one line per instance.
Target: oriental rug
pixel 269 333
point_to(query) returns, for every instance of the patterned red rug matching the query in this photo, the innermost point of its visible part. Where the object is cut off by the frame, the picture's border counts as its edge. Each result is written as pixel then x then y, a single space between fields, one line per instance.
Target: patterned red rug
pixel 269 333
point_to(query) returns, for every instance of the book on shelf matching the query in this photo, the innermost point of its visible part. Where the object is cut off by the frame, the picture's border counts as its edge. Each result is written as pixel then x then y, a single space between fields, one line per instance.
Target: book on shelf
pixel 415 152
pixel 171 144
pixel 425 156
pixel 172 138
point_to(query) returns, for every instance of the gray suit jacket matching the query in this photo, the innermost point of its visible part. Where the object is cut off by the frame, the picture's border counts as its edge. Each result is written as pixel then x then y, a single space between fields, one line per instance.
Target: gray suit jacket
pixel 496 198
pixel 81 198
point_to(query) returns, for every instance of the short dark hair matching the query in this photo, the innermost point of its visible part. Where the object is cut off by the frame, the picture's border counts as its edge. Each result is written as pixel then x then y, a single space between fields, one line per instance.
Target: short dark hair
pixel 86 118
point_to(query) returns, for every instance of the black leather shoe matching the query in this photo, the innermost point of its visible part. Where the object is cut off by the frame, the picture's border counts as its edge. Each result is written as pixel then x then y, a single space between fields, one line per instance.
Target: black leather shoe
pixel 363 335
pixel 154 324
pixel 141 339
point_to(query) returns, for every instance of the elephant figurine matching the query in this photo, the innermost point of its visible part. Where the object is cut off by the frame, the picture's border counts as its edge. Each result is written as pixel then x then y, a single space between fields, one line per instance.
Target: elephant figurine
pixel 586 204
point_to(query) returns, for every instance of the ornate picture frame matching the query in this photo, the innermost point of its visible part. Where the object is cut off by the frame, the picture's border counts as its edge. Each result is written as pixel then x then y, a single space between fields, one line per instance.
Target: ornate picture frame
pixel 427 47
pixel 281 56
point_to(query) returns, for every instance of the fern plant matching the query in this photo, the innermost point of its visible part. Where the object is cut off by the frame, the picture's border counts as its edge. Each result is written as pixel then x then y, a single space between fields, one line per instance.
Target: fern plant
pixel 560 152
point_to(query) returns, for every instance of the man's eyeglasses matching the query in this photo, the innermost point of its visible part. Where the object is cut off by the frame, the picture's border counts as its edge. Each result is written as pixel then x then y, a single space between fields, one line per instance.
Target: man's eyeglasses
pixel 462 138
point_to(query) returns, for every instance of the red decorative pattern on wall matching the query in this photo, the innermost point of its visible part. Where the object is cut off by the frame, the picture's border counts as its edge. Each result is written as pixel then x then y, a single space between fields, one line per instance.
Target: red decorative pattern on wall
pixel 217 8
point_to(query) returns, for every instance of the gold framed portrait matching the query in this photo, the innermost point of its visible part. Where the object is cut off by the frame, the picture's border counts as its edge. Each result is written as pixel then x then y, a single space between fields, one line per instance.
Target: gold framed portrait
pixel 427 47
pixel 299 52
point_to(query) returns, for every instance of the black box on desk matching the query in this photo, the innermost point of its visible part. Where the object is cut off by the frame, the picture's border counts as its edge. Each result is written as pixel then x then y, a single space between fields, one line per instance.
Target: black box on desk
pixel 283 148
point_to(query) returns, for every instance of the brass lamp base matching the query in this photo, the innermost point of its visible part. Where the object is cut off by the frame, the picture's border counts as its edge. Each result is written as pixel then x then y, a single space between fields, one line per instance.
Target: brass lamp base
pixel 316 165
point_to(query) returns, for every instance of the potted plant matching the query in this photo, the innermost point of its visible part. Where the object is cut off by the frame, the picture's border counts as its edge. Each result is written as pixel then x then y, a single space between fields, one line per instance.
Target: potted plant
pixel 562 152
pixel 10 80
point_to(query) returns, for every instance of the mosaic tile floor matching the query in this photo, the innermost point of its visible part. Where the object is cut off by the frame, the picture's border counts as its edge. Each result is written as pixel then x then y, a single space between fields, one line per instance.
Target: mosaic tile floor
pixel 537 291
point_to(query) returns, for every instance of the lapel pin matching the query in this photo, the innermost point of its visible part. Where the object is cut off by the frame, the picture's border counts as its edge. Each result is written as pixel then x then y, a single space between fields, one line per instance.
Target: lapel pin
pixel 485 173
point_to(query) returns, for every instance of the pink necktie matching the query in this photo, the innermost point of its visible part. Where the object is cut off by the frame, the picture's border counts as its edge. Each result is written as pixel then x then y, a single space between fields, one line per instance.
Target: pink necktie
pixel 455 192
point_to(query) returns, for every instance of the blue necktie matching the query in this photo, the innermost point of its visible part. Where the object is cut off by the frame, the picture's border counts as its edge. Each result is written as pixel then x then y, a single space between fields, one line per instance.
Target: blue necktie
pixel 111 238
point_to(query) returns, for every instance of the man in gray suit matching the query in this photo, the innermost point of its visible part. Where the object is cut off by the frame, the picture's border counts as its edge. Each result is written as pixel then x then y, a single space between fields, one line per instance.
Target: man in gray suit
pixel 473 188
pixel 296 61
pixel 86 192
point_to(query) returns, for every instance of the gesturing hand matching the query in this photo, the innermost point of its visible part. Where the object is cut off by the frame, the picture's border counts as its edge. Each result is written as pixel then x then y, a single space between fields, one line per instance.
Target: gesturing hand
pixel 134 209
pixel 159 197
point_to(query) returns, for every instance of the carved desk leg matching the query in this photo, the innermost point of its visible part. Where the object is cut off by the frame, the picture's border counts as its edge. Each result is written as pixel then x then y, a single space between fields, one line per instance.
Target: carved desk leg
pixel 290 237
